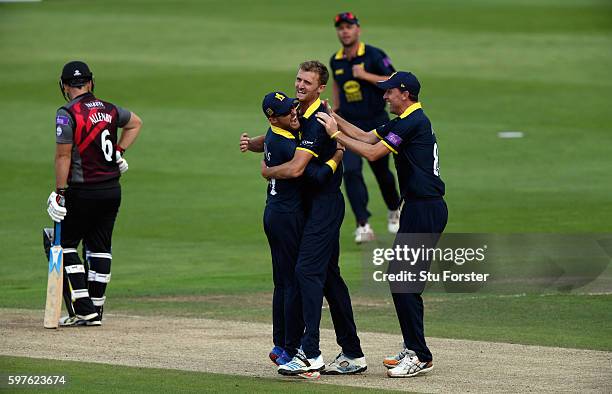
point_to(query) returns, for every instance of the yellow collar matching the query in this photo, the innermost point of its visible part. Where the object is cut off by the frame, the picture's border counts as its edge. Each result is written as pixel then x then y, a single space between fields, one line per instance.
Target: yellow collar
pixel 360 51
pixel 410 110
pixel 284 133
pixel 313 107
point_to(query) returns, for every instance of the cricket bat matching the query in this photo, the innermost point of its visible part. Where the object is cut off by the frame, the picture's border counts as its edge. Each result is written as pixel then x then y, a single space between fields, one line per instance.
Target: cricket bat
pixel 53 307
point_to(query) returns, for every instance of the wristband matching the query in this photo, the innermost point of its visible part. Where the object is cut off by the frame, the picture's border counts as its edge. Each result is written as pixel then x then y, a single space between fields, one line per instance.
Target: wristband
pixel 333 136
pixel 119 149
pixel 61 191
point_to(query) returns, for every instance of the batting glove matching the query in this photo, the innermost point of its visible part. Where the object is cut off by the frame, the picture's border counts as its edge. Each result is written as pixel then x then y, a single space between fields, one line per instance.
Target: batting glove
pixel 56 205
pixel 123 164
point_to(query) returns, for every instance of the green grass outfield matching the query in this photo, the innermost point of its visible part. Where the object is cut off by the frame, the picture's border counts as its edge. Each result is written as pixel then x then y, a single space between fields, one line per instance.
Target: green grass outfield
pixel 189 229
pixel 78 376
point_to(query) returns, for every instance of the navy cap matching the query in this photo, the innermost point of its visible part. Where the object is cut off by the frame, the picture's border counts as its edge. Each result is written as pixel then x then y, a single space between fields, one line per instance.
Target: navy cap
pixel 347 17
pixel 404 81
pixel 76 73
pixel 277 104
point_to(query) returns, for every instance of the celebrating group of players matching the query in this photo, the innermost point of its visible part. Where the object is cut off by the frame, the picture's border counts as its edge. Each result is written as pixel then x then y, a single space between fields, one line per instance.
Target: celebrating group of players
pixel 305 150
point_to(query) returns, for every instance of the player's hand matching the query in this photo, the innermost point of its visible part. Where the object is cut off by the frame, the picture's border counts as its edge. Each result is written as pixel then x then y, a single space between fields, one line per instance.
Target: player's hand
pixel 244 142
pixel 264 170
pixel 123 164
pixel 328 122
pixel 56 206
pixel 358 71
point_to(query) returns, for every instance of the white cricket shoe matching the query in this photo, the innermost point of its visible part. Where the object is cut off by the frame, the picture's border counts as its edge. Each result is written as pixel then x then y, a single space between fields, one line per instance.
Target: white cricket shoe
pixel 79 321
pixel 301 365
pixel 393 221
pixel 343 365
pixel 364 234
pixel 393 361
pixel 410 366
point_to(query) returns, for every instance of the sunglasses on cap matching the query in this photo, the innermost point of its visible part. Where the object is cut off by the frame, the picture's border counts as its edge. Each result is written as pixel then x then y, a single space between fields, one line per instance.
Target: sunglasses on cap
pixel 345 16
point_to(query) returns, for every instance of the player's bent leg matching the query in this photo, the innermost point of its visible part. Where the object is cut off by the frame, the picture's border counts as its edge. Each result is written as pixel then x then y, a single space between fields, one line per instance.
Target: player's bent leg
pixel 98 239
pixel 77 284
pixel 98 277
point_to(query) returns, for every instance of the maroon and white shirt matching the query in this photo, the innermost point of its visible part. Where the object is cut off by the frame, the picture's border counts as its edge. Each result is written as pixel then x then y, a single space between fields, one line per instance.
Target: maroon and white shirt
pixel 90 125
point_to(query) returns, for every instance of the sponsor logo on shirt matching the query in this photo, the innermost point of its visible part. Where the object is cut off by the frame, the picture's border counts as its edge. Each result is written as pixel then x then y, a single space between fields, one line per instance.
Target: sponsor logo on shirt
pixel 394 139
pixel 61 120
pixel 95 104
pixel 352 91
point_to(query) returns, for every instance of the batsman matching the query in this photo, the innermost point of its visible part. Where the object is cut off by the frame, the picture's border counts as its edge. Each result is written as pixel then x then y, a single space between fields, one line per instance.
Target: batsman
pixel 88 164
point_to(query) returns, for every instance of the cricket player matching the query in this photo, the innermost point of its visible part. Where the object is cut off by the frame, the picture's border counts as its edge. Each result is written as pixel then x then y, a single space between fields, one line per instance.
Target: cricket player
pixel 317 271
pixel 411 139
pixel 284 217
pixel 356 68
pixel 88 163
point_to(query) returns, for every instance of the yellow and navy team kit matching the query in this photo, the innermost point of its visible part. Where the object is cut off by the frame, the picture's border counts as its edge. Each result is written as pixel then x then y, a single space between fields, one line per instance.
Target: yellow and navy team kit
pixel 287 195
pixel 413 142
pixel 316 142
pixel 361 100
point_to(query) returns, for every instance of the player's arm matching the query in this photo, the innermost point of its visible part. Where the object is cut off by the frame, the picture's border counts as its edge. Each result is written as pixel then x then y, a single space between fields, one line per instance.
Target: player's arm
pixel 255 144
pixel 292 169
pixel 63 154
pixel 360 73
pixel 382 69
pixel 320 173
pixel 130 131
pixel 369 151
pixel 353 131
pixel 64 131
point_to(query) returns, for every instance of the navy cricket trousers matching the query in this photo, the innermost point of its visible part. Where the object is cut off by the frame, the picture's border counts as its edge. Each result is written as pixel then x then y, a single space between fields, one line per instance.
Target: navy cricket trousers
pixel 354 184
pixel 425 217
pixel 284 233
pixel 318 275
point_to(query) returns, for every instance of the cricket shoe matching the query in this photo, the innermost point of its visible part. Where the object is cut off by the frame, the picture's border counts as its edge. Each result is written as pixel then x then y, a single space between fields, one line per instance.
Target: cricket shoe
pixel 410 366
pixel 364 234
pixel 80 321
pixel 302 365
pixel 393 221
pixel 393 361
pixel 279 356
pixel 344 365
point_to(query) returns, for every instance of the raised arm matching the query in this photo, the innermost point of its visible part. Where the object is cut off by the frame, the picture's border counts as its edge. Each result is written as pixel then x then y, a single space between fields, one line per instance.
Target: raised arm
pixel 369 151
pixel 255 144
pixel 353 131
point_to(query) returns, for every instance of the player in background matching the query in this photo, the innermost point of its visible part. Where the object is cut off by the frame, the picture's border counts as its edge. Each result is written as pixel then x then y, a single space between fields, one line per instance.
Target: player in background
pixel 317 271
pixel 411 139
pixel 88 163
pixel 356 68
pixel 284 217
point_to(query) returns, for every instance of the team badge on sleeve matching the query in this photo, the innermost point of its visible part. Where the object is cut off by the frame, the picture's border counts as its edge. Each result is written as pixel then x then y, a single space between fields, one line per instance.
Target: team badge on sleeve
pixel 61 120
pixel 394 139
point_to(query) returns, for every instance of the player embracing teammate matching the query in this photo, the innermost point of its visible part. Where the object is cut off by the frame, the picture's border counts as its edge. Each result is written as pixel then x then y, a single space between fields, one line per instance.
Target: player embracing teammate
pixel 315 272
